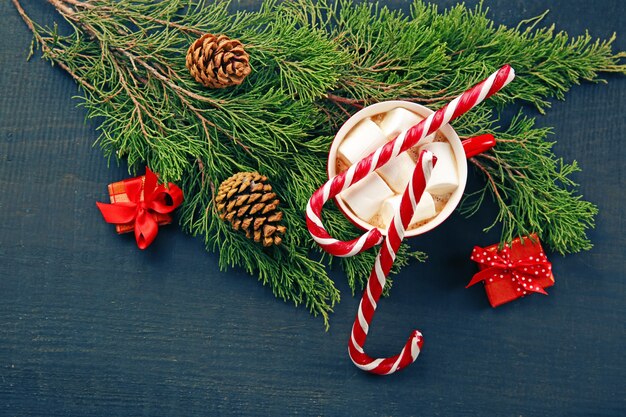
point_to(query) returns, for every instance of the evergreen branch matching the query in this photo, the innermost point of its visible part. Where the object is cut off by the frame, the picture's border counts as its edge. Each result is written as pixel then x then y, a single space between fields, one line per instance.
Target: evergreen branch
pixel 314 64
pixel 533 189
pixel 50 53
pixel 136 16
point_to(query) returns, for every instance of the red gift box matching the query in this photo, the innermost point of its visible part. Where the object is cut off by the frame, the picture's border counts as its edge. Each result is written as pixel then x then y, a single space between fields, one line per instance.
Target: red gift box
pixel 140 204
pixel 117 193
pixel 514 271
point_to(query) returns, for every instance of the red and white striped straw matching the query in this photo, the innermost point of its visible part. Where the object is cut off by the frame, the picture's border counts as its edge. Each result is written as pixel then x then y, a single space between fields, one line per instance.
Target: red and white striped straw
pixel 384 154
pixel 378 277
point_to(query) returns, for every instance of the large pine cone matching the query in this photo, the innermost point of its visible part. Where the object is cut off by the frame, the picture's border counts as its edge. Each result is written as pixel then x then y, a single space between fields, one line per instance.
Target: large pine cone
pixel 218 61
pixel 246 201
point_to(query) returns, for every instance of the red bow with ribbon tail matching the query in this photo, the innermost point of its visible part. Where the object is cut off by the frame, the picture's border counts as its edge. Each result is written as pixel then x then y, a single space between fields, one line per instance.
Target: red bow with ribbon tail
pixel 528 268
pixel 145 199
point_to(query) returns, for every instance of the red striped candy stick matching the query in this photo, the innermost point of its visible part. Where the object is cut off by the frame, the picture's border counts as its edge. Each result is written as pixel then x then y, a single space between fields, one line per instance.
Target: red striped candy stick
pixel 384 154
pixel 378 277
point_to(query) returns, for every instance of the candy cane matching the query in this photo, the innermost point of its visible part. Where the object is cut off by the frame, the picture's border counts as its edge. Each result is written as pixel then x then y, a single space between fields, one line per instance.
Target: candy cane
pixel 395 231
pixel 378 277
pixel 384 154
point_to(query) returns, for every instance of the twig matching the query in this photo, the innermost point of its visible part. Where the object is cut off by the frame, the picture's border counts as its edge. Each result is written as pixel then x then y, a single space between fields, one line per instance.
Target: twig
pixel 351 101
pixel 46 49
pixel 64 9
pixel 201 169
pixel 476 163
pixel 149 18
pixel 428 100
pixel 513 172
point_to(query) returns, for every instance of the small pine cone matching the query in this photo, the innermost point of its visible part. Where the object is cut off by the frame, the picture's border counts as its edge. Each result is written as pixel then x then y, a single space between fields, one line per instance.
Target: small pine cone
pixel 246 201
pixel 218 61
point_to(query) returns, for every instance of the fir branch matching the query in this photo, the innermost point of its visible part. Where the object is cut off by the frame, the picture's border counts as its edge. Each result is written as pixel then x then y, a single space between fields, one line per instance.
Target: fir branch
pixel 314 64
pixel 533 189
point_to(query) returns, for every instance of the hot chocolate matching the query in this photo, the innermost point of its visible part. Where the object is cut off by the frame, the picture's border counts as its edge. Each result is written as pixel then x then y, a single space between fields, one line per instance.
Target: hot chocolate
pixel 392 178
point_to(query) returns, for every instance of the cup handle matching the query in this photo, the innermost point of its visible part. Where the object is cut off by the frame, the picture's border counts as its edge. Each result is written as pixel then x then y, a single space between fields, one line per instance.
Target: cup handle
pixel 478 144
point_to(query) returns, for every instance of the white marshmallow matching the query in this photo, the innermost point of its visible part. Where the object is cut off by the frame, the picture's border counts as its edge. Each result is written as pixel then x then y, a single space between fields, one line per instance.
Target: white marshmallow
pixel 361 140
pixel 444 178
pixel 398 120
pixel 366 196
pixel 397 172
pixel 425 209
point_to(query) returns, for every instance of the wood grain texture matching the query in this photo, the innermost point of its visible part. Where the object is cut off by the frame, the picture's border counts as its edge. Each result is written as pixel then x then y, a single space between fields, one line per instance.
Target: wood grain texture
pixel 91 326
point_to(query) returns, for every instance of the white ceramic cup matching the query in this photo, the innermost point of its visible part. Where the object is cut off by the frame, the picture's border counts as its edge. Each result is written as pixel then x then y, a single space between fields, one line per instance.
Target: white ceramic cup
pixel 448 132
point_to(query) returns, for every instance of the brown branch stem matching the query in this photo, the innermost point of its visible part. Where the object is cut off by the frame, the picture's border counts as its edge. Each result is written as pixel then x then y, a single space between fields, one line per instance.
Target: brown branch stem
pixel 360 103
pixel 344 100
pixel 46 48
pixel 178 26
pixel 490 179
pixel 513 172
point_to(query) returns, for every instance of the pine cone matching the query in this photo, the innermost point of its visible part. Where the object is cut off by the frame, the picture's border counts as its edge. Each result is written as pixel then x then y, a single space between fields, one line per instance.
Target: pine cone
pixel 248 203
pixel 218 61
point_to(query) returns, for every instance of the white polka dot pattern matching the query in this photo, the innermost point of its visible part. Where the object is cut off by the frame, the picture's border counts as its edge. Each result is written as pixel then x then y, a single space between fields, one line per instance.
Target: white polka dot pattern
pixel 516 269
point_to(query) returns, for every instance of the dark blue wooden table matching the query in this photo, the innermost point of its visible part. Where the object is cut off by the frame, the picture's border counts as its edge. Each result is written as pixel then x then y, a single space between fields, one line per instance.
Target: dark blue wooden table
pixel 89 325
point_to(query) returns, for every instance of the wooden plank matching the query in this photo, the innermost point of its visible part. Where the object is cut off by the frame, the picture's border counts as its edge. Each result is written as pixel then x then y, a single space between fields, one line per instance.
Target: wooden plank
pixel 89 325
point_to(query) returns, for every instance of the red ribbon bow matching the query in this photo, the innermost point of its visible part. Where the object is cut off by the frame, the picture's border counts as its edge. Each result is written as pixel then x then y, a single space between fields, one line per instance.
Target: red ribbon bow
pixel 145 199
pixel 500 265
